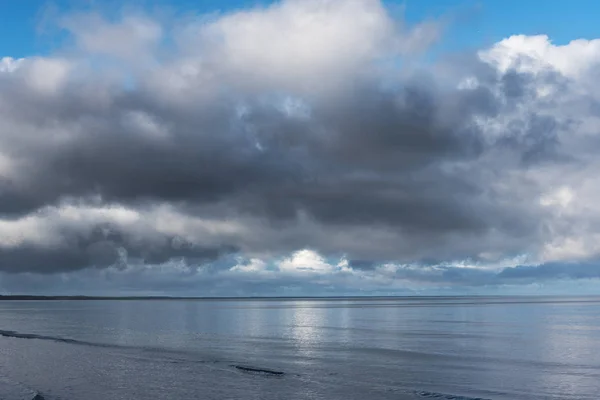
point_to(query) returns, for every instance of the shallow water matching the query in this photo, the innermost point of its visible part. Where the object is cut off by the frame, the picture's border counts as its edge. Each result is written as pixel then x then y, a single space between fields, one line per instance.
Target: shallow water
pixel 400 348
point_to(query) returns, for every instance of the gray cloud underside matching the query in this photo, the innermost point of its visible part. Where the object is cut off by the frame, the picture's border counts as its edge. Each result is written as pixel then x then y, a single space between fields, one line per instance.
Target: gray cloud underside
pixel 409 160
pixel 212 280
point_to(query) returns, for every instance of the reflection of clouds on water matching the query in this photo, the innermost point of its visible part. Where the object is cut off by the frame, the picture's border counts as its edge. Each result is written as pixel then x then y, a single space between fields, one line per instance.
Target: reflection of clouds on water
pixel 568 335
pixel 138 328
pixel 306 321
pixel 191 316
pixel 255 321
pixel 343 325
pixel 529 346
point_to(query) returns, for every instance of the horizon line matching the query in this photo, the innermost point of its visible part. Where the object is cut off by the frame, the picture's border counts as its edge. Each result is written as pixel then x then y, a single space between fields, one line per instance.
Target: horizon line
pixel 165 297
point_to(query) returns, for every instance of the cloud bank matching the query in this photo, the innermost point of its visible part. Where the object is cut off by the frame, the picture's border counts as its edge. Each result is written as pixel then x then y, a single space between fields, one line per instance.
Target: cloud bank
pixel 303 147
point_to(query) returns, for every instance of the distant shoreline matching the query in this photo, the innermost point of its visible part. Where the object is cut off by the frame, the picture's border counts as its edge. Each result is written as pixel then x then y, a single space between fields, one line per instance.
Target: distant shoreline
pixel 322 298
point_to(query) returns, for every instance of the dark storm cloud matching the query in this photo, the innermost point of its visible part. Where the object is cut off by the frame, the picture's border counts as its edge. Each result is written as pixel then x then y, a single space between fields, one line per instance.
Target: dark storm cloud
pixel 201 160
pixel 362 264
pixel 375 157
pixel 105 246
pixel 380 153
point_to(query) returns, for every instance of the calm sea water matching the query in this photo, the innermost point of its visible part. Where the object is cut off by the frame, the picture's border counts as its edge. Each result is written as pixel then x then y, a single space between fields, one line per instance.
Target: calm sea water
pixel 405 348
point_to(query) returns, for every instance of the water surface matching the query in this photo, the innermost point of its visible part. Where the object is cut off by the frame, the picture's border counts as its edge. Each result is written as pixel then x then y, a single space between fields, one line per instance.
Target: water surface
pixel 390 348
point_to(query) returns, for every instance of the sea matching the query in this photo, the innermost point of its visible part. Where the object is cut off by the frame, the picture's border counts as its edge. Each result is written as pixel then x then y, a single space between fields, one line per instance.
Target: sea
pixel 416 348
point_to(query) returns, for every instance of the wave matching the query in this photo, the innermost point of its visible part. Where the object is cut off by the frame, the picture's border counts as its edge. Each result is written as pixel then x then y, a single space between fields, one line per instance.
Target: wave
pixel 59 339
pixel 19 335
pixel 245 368
pixel 258 370
pixel 442 396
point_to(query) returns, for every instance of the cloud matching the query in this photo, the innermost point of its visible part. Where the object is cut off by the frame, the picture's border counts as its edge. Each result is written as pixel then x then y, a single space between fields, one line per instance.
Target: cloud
pixel 298 145
pixel 9 64
pixel 133 37
pixel 70 237
pixel 306 46
pixel 536 53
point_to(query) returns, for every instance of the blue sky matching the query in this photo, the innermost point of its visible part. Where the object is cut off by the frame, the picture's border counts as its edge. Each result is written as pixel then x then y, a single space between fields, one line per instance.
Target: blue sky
pixel 472 23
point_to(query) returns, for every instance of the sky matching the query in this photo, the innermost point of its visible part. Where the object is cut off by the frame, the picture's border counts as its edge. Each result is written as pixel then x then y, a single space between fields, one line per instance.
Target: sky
pixel 24 28
pixel 299 148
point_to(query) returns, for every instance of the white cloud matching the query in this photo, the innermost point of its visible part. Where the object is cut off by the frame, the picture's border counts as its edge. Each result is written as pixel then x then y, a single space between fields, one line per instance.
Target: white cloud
pixel 9 64
pixel 536 53
pixel 131 38
pixel 306 38
pixel 44 227
pixel 305 46
pixel 253 266
pixel 561 197
pixel 572 248
pixel 46 75
pixel 305 262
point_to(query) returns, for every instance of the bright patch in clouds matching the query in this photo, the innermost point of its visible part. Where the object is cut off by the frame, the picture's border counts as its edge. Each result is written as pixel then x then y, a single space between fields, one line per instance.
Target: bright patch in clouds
pixel 536 53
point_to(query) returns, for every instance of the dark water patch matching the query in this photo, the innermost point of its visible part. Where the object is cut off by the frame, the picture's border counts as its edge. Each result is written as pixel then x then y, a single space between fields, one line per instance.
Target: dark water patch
pixel 258 370
pixel 167 352
pixel 442 396
pixel 170 355
pixel 58 339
